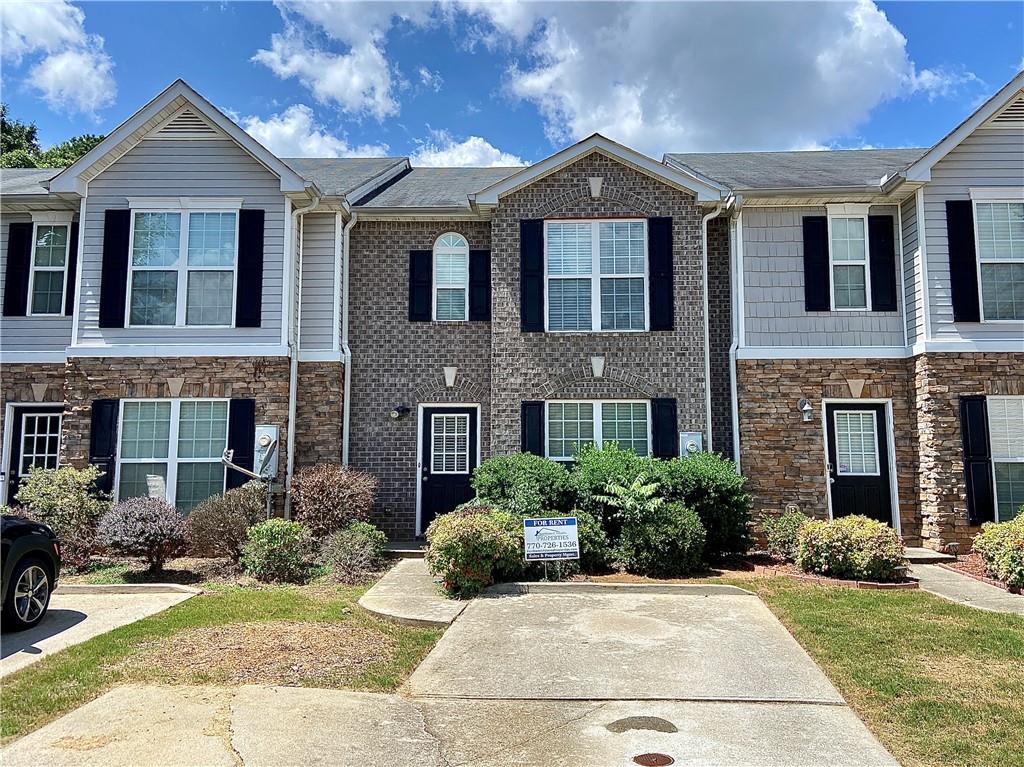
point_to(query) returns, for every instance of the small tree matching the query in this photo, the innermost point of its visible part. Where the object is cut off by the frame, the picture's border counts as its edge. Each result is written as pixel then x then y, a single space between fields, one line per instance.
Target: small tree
pixel 145 527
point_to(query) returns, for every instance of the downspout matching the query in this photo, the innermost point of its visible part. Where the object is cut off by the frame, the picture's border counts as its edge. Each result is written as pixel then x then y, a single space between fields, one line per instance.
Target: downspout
pixel 293 350
pixel 346 351
pixel 736 278
pixel 707 320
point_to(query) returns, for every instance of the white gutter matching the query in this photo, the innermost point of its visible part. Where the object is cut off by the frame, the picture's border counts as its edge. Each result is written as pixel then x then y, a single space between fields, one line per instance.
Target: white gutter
pixel 293 349
pixel 736 280
pixel 707 320
pixel 346 351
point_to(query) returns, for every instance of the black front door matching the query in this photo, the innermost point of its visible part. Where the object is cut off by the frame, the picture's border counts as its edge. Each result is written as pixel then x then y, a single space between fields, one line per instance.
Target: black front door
pixel 858 460
pixel 35 441
pixel 447 460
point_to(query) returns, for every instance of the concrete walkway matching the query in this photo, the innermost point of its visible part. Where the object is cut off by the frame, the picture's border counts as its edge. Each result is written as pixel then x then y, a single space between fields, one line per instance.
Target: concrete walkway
pixel 408 594
pixel 967 591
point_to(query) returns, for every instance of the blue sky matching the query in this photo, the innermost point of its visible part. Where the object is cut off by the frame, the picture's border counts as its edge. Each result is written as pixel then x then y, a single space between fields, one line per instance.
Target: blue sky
pixel 473 82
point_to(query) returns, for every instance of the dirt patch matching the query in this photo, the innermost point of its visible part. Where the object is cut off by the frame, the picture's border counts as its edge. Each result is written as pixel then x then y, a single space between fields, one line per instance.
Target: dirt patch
pixel 272 652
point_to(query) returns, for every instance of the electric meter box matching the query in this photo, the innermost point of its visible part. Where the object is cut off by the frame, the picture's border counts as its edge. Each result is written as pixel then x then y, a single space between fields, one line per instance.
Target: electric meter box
pixel 265 451
pixel 690 443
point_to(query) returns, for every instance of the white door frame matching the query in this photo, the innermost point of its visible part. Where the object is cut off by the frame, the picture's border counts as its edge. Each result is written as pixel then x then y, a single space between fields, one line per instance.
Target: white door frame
pixel 8 436
pixel 419 448
pixel 891 457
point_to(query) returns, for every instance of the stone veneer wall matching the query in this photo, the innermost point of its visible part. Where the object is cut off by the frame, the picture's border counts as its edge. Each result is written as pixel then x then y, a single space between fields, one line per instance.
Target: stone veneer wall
pixel 17 379
pixel 397 362
pixel 783 457
pixel 720 331
pixel 554 365
pixel 318 413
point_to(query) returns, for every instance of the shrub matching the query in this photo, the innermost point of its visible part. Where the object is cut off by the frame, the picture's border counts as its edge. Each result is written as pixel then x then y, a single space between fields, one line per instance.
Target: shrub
pixel 853 547
pixel 595 551
pixel 523 484
pixel 1001 546
pixel 596 469
pixel 278 550
pixel 219 525
pixel 328 497
pixel 665 541
pixel 67 500
pixel 145 527
pixel 355 552
pixel 471 548
pixel 782 532
pixel 709 484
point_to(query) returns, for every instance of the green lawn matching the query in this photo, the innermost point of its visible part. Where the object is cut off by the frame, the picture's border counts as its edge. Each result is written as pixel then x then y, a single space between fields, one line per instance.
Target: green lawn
pixel 55 685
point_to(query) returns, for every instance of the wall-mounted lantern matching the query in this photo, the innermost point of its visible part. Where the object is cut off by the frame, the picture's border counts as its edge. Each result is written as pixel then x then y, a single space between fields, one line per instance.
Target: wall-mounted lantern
pixel 399 411
pixel 806 409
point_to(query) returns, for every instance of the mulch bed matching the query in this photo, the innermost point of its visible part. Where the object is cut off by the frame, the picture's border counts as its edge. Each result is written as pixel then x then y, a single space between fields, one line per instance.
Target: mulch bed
pixel 765 565
pixel 973 565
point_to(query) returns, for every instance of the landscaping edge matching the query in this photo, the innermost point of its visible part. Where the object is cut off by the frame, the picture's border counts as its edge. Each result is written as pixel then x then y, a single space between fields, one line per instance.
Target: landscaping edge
pixel 981 578
pixel 822 580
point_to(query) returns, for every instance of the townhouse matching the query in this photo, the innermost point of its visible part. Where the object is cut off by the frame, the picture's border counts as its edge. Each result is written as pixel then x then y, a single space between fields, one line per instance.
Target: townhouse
pixel 848 325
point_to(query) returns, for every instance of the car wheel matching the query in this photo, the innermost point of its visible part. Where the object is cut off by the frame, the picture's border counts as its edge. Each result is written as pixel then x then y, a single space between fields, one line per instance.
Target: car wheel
pixel 28 595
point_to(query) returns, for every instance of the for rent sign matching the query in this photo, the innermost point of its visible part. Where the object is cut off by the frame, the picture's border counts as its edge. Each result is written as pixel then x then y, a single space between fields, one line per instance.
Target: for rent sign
pixel 551 538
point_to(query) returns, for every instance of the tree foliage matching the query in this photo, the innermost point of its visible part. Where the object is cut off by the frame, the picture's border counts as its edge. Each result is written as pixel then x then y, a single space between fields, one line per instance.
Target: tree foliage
pixel 19 146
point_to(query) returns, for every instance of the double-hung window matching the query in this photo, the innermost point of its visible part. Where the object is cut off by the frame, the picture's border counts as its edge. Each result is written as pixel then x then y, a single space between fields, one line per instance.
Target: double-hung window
pixel 596 275
pixel 1006 442
pixel 451 277
pixel 172 449
pixel 183 267
pixel 572 424
pixel 999 231
pixel 49 266
pixel 848 258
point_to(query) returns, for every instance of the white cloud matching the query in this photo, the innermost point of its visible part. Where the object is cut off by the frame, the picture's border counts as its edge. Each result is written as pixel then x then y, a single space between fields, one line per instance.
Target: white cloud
pixel 73 73
pixel 295 132
pixel 444 151
pixel 432 80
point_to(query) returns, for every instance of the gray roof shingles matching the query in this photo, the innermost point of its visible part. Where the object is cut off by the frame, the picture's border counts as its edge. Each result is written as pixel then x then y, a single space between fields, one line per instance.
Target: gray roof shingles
pixel 19 181
pixel 798 170
pixel 339 176
pixel 437 187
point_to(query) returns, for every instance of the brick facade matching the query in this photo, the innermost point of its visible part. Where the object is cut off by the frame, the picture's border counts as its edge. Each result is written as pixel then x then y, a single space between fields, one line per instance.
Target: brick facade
pixel 318 413
pixel 720 333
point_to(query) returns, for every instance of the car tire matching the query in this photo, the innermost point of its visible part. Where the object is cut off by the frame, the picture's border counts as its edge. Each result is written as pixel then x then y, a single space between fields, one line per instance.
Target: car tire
pixel 28 595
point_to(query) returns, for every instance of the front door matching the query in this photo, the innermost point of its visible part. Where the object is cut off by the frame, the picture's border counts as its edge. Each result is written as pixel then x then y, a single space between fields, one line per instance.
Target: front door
pixel 35 441
pixel 858 460
pixel 448 457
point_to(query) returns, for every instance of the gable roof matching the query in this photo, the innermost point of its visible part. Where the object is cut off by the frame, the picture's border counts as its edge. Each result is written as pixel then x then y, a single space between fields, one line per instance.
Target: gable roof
pixel 25 181
pixel 436 188
pixel 344 176
pixel 156 114
pixel 705 189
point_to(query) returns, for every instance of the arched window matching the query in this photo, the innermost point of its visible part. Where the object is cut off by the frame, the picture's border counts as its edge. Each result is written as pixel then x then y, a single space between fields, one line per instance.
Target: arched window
pixel 451 277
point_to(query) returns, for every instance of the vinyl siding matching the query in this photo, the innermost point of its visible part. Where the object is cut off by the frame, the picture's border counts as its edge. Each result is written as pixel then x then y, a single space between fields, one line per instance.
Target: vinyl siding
pixel 988 157
pixel 318 310
pixel 166 168
pixel 773 286
pixel 28 334
pixel 913 285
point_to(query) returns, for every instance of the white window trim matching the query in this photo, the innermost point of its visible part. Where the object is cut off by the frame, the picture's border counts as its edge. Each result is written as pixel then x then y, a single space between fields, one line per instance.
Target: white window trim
pixel 991 197
pixel 21 448
pixel 995 487
pixel 435 285
pixel 855 211
pixel 595 275
pixel 433 420
pixel 182 267
pixel 878 457
pixel 6 470
pixel 172 460
pixel 52 220
pixel 598 420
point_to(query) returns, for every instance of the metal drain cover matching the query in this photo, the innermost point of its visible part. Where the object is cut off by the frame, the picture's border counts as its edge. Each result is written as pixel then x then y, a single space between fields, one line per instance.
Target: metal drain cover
pixel 653 759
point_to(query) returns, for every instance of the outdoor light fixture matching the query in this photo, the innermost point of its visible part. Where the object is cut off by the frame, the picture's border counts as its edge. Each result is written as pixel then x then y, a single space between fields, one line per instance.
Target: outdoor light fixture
pixel 398 411
pixel 806 409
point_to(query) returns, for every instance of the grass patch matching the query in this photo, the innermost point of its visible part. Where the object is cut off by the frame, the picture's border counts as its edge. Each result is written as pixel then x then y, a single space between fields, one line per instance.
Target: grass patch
pixel 55 685
pixel 938 683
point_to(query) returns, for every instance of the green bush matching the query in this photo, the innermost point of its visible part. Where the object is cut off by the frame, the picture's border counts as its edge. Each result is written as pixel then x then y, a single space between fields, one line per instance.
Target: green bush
pixel 1001 546
pixel 67 500
pixel 523 484
pixel 327 497
pixel 664 542
pixel 355 552
pixel 594 470
pixel 709 484
pixel 853 547
pixel 471 548
pixel 782 532
pixel 595 551
pixel 278 550
pixel 219 525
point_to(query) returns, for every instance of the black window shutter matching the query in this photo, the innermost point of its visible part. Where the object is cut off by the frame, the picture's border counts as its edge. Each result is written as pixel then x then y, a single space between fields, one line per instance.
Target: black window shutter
pixel 882 249
pixel 817 280
pixel 103 440
pixel 479 285
pixel 963 261
pixel 532 427
pixel 69 289
pixel 421 285
pixel 659 257
pixel 241 439
pixel 114 274
pixel 19 258
pixel 664 432
pixel 531 275
pixel 977 460
pixel 249 291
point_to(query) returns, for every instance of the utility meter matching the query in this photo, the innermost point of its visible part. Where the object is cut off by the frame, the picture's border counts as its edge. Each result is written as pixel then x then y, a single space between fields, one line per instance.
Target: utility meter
pixel 690 443
pixel 265 452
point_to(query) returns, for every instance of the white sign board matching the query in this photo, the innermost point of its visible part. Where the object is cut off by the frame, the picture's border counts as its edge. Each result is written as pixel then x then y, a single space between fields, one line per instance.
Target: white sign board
pixel 551 538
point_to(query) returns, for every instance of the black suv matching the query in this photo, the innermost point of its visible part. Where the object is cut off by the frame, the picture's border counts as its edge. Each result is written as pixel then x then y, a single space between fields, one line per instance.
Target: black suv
pixel 30 555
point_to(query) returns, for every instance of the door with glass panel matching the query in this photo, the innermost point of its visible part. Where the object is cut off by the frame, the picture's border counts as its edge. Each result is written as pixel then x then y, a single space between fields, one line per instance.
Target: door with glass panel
pixel 35 442
pixel 858 460
pixel 447 460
